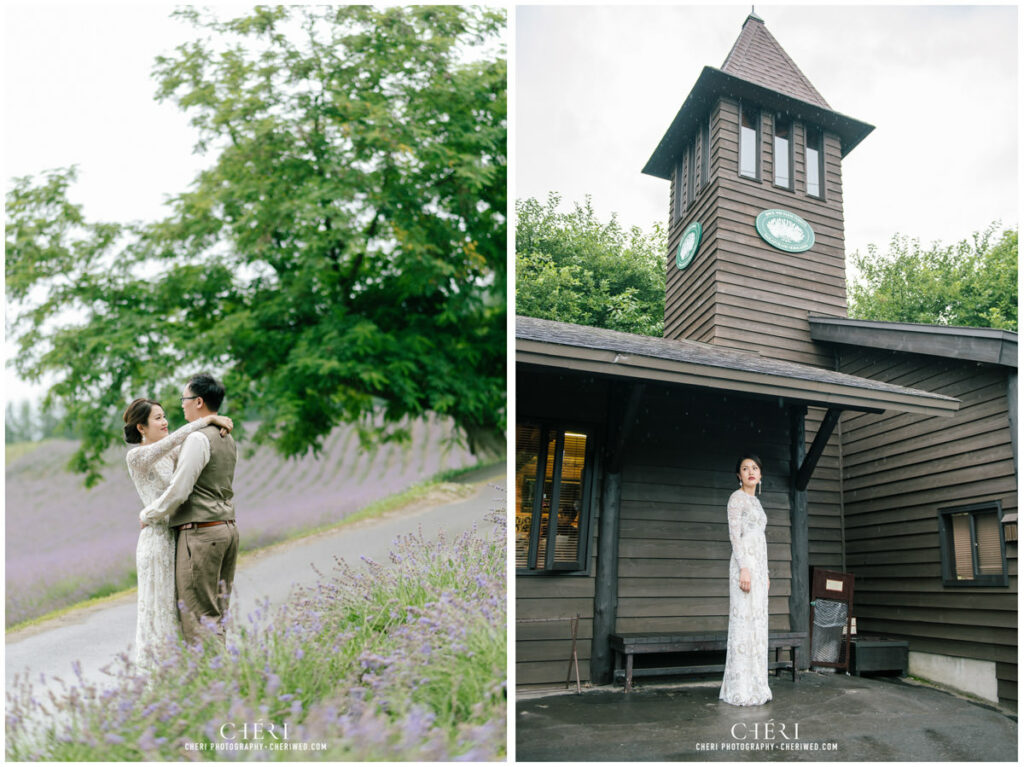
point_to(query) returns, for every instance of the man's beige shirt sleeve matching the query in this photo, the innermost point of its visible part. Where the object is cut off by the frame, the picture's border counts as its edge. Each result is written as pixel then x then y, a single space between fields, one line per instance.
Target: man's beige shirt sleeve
pixel 195 454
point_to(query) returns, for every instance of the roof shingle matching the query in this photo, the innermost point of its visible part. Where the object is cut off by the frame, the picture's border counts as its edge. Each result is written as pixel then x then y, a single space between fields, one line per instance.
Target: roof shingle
pixel 757 57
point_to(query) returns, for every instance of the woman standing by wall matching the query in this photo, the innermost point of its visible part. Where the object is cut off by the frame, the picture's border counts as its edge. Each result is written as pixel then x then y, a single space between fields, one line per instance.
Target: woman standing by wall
pixel 746 661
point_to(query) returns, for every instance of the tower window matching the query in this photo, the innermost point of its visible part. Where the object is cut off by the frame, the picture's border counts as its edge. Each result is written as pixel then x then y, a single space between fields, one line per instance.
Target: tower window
pixel 691 176
pixel 815 163
pixel 680 184
pixel 750 142
pixel 783 152
pixel 705 153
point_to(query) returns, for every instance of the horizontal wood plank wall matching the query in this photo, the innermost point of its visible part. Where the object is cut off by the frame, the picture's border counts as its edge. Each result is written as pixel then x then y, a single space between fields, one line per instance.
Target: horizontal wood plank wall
pixel 899 470
pixel 824 500
pixel 690 294
pixel 674 550
pixel 738 284
pixel 543 649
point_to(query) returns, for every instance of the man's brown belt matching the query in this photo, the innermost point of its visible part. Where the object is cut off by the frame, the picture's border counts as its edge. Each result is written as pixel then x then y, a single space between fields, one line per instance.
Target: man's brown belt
pixel 190 525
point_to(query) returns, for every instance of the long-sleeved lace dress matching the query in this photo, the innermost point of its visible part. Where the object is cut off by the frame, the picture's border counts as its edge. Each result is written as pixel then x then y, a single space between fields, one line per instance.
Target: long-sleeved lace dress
pixel 746 660
pixel 151 467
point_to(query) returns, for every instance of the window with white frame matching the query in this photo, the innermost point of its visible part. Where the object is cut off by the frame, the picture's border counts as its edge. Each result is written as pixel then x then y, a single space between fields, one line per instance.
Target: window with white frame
pixel 815 162
pixel 782 152
pixel 750 142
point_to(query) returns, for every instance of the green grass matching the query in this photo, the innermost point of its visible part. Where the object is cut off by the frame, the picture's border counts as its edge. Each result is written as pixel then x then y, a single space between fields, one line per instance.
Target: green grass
pixel 127 583
pixel 16 450
pixel 113 591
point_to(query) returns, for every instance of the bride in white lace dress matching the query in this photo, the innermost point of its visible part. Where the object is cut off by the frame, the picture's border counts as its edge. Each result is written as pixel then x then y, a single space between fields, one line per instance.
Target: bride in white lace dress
pixel 746 661
pixel 151 464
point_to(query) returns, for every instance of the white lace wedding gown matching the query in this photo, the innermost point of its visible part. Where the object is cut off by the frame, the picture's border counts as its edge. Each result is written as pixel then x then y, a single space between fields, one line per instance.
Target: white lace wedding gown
pixel 151 467
pixel 746 661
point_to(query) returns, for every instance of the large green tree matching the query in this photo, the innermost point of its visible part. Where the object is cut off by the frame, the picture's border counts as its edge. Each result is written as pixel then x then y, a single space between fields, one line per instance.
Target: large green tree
pixel 342 258
pixel 972 283
pixel 572 267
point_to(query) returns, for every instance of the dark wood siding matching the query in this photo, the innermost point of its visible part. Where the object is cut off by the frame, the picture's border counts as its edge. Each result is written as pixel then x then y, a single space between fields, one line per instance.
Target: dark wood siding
pixel 690 294
pixel 825 500
pixel 899 470
pixel 674 544
pixel 674 540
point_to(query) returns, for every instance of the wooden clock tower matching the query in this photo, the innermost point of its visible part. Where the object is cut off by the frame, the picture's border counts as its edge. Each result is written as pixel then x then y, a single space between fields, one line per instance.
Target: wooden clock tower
pixel 756 239
pixel 756 207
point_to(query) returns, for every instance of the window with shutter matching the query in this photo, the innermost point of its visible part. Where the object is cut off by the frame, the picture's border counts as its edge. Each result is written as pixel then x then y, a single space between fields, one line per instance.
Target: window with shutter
pixel 962 546
pixel 990 559
pixel 972 545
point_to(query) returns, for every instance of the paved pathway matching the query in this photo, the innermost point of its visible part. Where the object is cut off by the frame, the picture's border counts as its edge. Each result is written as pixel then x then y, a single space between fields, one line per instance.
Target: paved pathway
pixel 95 635
pixel 821 718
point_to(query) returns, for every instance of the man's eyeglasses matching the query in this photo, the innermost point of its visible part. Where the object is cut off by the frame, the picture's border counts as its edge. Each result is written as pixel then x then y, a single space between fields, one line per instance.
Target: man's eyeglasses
pixel 185 398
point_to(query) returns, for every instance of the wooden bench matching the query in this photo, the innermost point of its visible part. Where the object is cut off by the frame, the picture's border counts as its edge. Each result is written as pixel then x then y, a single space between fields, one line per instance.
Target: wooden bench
pixel 626 646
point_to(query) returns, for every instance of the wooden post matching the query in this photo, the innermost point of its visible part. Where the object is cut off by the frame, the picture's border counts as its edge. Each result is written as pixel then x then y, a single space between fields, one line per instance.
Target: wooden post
pixel 606 587
pixel 799 595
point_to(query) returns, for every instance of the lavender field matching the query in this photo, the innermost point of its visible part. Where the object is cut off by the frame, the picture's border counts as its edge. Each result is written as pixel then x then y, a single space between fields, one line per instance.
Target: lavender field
pixel 66 543
pixel 404 661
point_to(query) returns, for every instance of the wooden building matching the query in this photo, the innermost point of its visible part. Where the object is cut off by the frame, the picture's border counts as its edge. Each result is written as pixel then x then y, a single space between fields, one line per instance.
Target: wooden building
pixel 625 445
pixel 929 507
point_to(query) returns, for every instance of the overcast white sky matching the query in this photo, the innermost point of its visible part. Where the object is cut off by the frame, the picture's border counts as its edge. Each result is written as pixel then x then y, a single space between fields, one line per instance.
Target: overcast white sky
pixel 594 89
pixel 78 90
pixel 597 87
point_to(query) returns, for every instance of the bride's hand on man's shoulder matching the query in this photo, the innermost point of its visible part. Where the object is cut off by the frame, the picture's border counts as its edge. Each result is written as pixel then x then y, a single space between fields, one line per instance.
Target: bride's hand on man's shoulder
pixel 225 424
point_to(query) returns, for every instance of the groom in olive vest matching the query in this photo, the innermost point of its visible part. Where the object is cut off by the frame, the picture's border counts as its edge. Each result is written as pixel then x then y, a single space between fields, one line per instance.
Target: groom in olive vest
pixel 202 511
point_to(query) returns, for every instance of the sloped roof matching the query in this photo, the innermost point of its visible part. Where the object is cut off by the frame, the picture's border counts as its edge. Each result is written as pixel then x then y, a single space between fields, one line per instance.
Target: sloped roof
pixel 989 345
pixel 576 347
pixel 756 56
pixel 759 71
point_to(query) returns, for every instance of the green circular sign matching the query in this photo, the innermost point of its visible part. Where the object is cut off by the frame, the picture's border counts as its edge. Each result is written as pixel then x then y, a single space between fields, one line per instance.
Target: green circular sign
pixel 784 230
pixel 688 245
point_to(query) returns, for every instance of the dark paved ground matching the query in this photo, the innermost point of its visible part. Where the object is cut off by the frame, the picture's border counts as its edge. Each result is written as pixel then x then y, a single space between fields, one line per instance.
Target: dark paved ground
pixel 828 717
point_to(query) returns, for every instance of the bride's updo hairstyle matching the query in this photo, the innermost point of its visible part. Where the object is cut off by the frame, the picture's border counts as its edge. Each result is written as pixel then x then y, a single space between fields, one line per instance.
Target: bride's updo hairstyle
pixel 137 414
pixel 751 457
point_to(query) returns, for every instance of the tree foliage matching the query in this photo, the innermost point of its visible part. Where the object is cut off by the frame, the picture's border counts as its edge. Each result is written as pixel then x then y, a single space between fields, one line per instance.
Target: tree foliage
pixel 972 283
pixel 574 268
pixel 25 423
pixel 342 259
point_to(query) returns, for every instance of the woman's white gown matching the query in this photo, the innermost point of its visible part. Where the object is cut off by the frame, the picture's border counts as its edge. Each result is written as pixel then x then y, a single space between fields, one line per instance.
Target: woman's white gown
pixel 151 467
pixel 746 661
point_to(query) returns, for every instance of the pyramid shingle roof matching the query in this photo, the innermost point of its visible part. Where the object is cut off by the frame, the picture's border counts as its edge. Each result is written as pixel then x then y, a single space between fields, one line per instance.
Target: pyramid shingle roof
pixel 756 56
pixel 759 71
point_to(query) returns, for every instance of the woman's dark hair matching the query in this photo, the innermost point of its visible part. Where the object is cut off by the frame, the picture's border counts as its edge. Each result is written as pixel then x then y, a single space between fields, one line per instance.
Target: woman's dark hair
pixel 752 457
pixel 136 414
pixel 209 388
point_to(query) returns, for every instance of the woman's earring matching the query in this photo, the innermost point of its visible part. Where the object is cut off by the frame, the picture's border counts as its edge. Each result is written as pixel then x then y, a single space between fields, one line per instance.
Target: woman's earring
pixel 759 488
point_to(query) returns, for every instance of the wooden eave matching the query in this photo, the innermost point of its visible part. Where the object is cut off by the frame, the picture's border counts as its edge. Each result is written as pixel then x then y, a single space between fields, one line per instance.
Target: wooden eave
pixel 989 345
pixel 713 84
pixel 548 344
